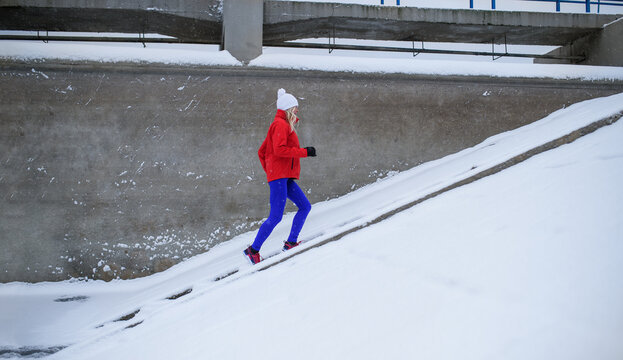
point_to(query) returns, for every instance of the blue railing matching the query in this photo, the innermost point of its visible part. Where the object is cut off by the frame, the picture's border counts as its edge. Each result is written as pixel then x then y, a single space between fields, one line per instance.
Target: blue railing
pixel 587 3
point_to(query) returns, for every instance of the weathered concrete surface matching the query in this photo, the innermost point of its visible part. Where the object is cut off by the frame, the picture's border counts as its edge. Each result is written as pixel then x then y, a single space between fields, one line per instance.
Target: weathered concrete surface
pixel 199 20
pixel 290 20
pixel 133 168
pixel 604 47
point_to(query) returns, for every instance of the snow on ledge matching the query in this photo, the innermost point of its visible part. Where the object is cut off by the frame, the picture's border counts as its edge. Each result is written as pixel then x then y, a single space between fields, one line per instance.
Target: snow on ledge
pixel 439 67
pixel 208 55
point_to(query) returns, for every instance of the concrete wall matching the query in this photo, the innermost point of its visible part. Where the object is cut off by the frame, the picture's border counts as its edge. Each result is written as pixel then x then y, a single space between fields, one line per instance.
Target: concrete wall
pixel 131 168
pixel 603 48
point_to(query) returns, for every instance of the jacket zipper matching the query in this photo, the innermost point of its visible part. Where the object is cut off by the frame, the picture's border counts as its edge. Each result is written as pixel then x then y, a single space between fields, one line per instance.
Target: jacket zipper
pixel 292 167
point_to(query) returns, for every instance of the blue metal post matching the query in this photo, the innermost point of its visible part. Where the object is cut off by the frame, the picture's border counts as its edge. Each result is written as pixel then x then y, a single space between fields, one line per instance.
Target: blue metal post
pixel 397 2
pixel 588 6
pixel 382 2
pixel 471 4
pixel 493 4
pixel 558 5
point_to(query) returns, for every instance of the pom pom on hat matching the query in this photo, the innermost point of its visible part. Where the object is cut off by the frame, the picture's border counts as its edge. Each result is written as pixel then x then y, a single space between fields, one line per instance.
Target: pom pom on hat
pixel 285 100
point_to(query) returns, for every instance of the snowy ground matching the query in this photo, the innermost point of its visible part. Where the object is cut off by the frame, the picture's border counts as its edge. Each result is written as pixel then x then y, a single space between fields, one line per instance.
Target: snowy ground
pixel 522 264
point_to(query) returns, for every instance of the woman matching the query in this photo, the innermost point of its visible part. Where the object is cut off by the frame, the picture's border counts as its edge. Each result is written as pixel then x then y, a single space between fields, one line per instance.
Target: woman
pixel 280 155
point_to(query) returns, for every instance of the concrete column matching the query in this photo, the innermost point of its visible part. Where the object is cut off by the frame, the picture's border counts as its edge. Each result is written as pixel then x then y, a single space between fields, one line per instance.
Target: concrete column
pixel 242 28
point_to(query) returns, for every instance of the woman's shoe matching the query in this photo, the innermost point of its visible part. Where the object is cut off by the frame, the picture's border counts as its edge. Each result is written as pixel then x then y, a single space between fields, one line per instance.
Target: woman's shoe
pixel 289 245
pixel 252 255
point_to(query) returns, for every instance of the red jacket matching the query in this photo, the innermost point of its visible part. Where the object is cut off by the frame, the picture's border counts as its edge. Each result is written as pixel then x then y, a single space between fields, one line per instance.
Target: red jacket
pixel 280 152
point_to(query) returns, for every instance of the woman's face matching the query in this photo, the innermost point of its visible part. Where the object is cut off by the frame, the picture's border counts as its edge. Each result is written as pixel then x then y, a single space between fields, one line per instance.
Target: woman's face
pixel 295 110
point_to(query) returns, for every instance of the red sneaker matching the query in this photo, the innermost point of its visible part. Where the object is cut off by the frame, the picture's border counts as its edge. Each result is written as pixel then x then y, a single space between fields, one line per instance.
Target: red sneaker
pixel 289 245
pixel 252 255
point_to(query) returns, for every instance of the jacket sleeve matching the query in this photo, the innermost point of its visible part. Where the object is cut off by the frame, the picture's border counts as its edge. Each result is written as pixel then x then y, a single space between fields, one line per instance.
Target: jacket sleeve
pixel 280 141
pixel 262 155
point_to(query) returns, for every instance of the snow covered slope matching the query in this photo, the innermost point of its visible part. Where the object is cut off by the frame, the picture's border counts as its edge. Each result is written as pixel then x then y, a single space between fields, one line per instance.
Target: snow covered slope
pixel 522 264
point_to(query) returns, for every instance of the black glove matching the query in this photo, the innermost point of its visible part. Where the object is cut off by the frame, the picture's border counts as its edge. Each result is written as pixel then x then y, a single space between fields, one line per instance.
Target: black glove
pixel 311 151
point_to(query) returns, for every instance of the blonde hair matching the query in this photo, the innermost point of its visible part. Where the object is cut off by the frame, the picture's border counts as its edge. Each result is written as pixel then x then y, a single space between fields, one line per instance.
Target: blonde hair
pixel 291 117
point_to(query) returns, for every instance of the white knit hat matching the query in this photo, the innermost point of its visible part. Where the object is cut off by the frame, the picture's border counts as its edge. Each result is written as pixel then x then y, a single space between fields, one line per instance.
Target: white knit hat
pixel 285 100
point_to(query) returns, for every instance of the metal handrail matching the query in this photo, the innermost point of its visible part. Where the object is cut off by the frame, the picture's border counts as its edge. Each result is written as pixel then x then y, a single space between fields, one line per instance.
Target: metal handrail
pixel 330 46
pixel 588 3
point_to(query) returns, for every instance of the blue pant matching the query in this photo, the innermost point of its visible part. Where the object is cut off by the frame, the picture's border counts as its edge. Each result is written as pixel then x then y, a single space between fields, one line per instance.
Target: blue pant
pixel 280 191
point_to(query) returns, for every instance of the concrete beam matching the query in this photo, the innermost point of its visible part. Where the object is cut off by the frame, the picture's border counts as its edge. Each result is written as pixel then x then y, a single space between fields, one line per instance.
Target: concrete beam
pixel 199 9
pixel 189 20
pixel 290 20
pixel 603 48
